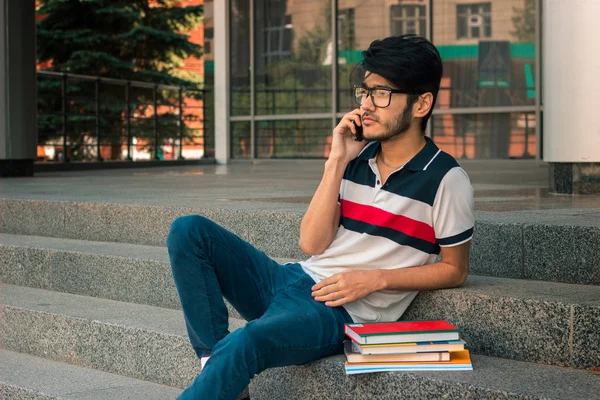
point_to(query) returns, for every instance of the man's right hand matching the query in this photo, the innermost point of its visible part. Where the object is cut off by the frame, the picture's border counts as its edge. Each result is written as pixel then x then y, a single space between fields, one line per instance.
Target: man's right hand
pixel 343 146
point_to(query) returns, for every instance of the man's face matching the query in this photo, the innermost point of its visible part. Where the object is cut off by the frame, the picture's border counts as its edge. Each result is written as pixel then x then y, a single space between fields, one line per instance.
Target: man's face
pixel 384 123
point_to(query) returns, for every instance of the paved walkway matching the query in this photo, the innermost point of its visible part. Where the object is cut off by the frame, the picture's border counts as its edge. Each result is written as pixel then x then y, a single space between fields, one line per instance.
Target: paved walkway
pixel 282 185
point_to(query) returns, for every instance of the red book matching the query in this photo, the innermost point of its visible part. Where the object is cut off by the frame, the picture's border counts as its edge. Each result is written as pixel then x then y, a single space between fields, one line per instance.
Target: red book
pixel 401 332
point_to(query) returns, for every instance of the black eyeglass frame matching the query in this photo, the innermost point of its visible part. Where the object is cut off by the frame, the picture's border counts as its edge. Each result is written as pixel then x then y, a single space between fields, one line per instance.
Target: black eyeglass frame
pixel 370 93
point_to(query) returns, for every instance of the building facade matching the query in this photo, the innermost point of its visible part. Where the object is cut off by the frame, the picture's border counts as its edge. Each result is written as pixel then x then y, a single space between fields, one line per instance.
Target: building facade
pixel 276 74
pixel 288 65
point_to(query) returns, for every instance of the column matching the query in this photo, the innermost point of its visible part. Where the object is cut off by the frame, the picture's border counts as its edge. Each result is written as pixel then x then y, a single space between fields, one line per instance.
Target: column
pixel 18 105
pixel 571 85
pixel 222 96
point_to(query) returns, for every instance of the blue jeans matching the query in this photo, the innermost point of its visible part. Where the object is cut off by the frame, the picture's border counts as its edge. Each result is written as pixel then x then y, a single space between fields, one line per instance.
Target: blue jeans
pixel 286 326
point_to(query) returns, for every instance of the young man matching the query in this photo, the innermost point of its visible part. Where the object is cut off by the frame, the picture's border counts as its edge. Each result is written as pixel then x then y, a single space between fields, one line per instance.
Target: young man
pixel 386 208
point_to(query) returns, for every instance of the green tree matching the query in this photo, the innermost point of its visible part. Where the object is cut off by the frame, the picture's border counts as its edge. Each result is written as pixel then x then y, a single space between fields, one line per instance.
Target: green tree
pixel 524 22
pixel 140 40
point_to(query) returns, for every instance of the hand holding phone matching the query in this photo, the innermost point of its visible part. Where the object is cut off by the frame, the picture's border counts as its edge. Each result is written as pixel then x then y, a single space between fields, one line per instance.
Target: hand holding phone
pixel 359 132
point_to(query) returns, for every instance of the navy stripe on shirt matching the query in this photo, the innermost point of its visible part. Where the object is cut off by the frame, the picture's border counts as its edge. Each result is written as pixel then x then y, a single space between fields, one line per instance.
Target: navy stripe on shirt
pixel 461 237
pixel 391 234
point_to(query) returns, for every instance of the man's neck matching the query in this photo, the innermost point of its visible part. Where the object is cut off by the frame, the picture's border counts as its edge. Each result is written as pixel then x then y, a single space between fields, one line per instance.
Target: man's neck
pixel 402 148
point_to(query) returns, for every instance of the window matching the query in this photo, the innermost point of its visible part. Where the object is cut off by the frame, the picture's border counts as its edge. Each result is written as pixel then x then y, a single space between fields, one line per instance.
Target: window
pixel 278 38
pixel 408 19
pixel 473 21
pixel 345 29
pixel 209 34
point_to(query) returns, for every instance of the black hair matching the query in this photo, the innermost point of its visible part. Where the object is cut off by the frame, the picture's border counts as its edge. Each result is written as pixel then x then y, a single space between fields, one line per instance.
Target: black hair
pixel 409 62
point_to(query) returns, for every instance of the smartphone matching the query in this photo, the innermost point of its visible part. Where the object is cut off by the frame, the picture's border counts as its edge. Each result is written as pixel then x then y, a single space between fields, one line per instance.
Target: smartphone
pixel 359 132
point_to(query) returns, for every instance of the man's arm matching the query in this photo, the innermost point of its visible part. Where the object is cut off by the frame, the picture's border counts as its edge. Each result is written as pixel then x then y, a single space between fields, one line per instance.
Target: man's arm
pixel 320 222
pixel 449 272
pixel 348 286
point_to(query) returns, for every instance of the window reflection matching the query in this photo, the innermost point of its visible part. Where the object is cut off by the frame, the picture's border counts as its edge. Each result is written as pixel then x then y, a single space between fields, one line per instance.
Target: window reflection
pixel 369 20
pixel 484 136
pixel 488 49
pixel 293 56
pixel 408 18
pixel 240 57
pixel 296 138
pixel 240 140
pixel 473 21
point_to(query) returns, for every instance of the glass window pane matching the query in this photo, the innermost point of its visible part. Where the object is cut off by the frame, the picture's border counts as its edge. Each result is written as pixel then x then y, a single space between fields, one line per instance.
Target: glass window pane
pixel 240 57
pixel 240 139
pixel 485 136
pixel 374 19
pixel 487 26
pixel 422 28
pixel 293 70
pixel 397 27
pixel 293 139
pixel 488 52
pixel 461 27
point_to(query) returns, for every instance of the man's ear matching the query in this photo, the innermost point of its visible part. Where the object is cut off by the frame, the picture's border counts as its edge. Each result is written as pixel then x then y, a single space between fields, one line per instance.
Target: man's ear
pixel 423 105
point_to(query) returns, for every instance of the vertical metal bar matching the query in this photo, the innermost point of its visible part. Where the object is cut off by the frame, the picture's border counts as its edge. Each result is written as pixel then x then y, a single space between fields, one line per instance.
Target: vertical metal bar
pixel 253 144
pixel 97 100
pixel 334 63
pixel 205 141
pixel 429 20
pixel 64 116
pixel 155 127
pixel 538 82
pixel 273 102
pixel 526 150
pixel 128 116
pixel 181 122
pixel 430 131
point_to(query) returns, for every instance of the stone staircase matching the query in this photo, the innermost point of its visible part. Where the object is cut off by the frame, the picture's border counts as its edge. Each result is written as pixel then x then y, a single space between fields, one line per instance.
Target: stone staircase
pixel 89 309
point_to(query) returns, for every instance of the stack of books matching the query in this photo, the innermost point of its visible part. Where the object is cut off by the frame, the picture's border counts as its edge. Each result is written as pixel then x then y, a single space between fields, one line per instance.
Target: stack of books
pixel 405 346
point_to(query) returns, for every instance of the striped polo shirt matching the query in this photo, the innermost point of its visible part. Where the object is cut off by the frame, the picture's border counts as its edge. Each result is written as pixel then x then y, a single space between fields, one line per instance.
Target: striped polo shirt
pixel 423 206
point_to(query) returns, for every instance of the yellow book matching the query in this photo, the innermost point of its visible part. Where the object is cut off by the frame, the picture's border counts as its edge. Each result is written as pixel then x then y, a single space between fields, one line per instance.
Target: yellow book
pixel 459 361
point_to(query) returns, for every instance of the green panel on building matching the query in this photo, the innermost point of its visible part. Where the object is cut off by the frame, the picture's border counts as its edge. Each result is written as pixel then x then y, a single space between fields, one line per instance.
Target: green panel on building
pixel 456 52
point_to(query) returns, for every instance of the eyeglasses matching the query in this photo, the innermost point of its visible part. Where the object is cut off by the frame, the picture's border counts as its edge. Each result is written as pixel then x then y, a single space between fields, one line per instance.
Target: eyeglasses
pixel 381 96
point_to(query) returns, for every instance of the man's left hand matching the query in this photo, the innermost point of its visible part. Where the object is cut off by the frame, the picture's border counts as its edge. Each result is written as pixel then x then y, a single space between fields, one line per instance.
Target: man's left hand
pixel 347 286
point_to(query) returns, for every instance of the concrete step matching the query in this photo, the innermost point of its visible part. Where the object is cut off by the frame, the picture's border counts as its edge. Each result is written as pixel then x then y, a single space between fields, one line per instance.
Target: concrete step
pixel 149 343
pixel 551 323
pixel 526 320
pixel 544 322
pixel 491 378
pixel 549 245
pixel 118 271
pixel 500 317
pixel 26 377
pixel 139 341
pixel 33 378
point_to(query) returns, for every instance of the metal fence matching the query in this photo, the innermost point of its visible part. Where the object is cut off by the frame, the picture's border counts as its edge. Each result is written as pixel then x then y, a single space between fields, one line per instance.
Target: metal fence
pixel 89 118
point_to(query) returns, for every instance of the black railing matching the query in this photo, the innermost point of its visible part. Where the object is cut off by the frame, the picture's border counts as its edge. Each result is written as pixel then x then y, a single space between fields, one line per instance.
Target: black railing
pixel 90 118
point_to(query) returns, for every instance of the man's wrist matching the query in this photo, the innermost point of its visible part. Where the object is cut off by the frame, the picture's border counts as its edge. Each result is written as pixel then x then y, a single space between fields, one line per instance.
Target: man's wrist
pixel 336 165
pixel 381 279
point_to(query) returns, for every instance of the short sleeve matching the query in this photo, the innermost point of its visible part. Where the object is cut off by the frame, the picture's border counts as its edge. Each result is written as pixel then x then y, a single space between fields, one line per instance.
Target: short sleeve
pixel 453 218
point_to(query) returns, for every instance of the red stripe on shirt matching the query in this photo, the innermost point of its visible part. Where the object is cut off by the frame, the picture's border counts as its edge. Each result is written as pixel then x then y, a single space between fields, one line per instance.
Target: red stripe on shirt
pixel 385 219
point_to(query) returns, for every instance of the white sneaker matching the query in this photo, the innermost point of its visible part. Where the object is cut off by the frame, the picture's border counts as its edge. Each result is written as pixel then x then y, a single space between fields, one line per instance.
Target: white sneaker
pixel 203 361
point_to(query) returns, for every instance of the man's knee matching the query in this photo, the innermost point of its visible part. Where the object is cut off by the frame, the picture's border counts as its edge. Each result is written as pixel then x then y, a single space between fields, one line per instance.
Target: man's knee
pixel 183 229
